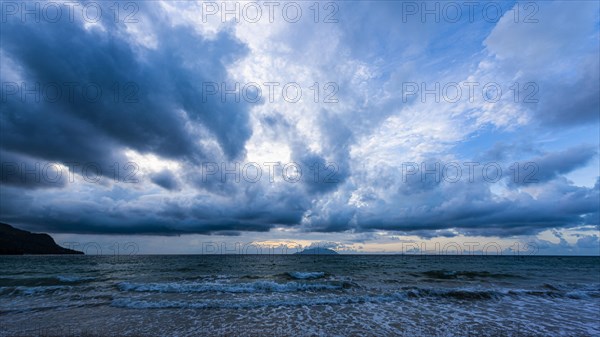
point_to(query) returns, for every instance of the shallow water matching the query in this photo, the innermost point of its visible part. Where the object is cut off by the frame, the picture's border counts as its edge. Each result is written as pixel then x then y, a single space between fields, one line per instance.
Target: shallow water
pixel 293 295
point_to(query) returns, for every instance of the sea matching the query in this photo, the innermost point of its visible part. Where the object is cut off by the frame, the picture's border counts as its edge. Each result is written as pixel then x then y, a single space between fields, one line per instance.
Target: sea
pixel 299 295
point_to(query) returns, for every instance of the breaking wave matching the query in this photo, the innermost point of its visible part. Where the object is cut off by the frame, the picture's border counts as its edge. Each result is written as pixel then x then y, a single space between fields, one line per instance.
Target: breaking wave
pixel 249 287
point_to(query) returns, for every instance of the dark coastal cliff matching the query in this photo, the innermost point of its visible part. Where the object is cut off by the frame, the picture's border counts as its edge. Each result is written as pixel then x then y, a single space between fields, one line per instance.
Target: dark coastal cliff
pixel 15 241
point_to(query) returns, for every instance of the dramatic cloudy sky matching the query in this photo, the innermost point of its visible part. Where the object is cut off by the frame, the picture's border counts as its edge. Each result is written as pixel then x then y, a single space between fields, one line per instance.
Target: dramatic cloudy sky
pixel 121 124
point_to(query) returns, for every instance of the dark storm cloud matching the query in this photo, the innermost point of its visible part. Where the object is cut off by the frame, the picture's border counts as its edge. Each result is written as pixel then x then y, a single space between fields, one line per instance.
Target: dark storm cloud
pixel 148 95
pixel 116 210
pixel 421 181
pixel 432 234
pixel 469 208
pixel 151 101
pixel 26 172
pixel 573 104
pixel 325 172
pixel 165 179
pixel 552 165
pixel 319 175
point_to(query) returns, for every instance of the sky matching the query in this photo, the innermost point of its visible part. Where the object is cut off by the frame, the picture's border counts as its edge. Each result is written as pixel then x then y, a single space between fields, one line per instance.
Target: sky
pixel 163 127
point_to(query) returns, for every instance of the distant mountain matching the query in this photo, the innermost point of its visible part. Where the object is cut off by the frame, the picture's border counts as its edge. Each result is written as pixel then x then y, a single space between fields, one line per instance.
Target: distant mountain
pixel 317 251
pixel 15 241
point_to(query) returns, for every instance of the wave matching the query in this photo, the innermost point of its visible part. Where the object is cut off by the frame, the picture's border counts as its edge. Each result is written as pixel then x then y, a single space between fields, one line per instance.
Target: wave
pixel 489 294
pixel 406 294
pixel 298 275
pixel 42 285
pixel 249 287
pixel 36 290
pixel 495 294
pixel 74 279
pixel 44 281
pixel 450 274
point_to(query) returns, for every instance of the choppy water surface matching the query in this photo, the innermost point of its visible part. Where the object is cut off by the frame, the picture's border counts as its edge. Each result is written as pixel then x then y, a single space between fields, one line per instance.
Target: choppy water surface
pixel 299 295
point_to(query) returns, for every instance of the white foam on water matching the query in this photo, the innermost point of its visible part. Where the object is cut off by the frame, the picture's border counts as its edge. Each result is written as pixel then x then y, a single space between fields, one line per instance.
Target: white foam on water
pixel 250 287
pixel 69 279
pixel 254 302
pixel 306 275
pixel 37 289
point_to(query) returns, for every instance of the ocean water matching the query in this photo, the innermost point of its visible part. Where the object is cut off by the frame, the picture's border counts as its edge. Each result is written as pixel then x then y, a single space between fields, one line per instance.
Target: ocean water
pixel 292 295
